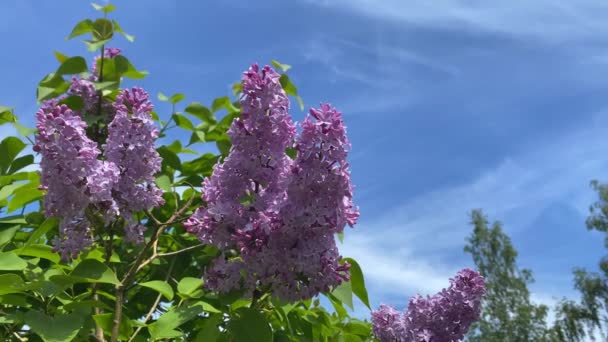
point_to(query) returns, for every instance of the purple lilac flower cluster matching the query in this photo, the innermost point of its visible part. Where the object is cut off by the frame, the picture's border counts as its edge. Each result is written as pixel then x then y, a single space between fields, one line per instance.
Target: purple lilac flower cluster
pixel 79 176
pixel 130 146
pixel 444 317
pixel 279 214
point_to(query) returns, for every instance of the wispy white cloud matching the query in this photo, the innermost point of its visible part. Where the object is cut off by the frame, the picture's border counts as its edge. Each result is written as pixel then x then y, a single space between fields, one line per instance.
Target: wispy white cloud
pixel 546 19
pixel 379 76
pixel 407 248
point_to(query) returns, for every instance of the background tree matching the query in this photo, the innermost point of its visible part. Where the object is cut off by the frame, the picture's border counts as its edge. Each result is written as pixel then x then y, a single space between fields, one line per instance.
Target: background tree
pixel 507 311
pixel 579 320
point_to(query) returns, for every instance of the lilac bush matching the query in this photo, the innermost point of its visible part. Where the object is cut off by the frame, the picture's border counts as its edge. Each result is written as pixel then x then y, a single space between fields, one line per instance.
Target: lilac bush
pixel 443 317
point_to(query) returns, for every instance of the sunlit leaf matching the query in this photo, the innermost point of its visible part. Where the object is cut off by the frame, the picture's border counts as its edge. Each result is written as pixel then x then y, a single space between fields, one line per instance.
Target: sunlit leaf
pixel 161 287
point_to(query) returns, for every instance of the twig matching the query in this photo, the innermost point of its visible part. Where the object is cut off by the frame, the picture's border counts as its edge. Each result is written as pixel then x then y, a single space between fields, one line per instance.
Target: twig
pixel 155 305
pixel 139 263
pixel 152 217
pixel 98 330
pixel 180 251
pixel 19 337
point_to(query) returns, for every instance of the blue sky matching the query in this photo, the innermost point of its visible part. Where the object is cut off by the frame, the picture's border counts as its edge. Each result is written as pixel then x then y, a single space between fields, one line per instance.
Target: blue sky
pixel 450 105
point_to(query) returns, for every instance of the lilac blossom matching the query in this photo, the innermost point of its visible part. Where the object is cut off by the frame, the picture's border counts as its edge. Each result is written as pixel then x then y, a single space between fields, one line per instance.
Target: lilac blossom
pixel 68 156
pixel 245 192
pixel 318 205
pixel 387 324
pixel 256 166
pixel 444 317
pixel 74 236
pixel 80 179
pixel 130 146
pixel 280 215
pixel 71 174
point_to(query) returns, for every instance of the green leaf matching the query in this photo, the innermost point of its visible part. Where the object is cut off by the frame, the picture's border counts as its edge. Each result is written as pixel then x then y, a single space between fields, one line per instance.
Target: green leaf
pixel 227 121
pixel 177 98
pixel 118 29
pixel 130 70
pixel 81 28
pixel 9 261
pixel 175 147
pixel 109 85
pixel 291 152
pixel 60 328
pixel 39 251
pixel 337 304
pixel 170 158
pixel 14 300
pixel 94 45
pixel 60 57
pixel 164 182
pixel 105 321
pixel 20 163
pixel 223 102
pixel 112 70
pixel 200 166
pixel 105 9
pixel 183 122
pixel 10 283
pixel 161 287
pixel 209 330
pixel 283 67
pixel 162 97
pixel 196 137
pixel 45 227
pixel 74 102
pixel 73 65
pixel 23 130
pixel 7 234
pixel 300 102
pixel 341 236
pixel 188 285
pixel 224 146
pixel 344 293
pixel 237 88
pixel 198 110
pixel 357 281
pixel 9 149
pixel 16 219
pixel 6 116
pixel 288 86
pixel 50 86
pixel 166 324
pixel 102 29
pixel 250 325
pixel 35 218
pixel 99 255
pixel 94 271
pixel 23 196
pixel 8 190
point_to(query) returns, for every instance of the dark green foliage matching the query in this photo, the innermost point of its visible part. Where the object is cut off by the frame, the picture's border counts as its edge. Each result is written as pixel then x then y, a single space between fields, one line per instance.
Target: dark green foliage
pixel 507 314
pixel 580 320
